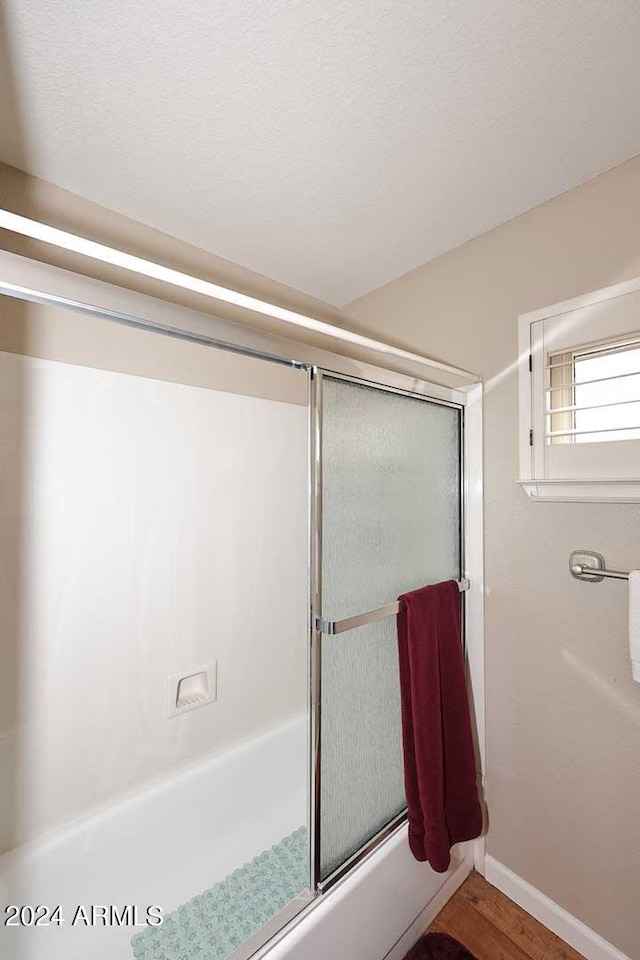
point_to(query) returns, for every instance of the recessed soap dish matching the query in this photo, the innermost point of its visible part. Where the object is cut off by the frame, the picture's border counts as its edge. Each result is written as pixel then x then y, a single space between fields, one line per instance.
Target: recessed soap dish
pixel 191 689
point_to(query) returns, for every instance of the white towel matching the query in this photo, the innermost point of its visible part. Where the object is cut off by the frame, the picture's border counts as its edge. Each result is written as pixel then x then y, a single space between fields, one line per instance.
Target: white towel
pixel 634 623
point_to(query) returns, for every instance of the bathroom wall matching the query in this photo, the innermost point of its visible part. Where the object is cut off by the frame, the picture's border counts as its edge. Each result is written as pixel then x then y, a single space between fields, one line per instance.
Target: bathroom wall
pixel 31 197
pixel 161 488
pixel 563 715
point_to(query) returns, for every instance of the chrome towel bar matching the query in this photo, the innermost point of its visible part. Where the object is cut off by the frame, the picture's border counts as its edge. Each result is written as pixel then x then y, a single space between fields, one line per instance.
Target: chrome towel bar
pixel 590 567
pixel 332 627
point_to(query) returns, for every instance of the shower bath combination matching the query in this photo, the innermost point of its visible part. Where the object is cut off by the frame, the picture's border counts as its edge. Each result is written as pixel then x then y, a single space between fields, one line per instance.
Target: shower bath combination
pixel 208 715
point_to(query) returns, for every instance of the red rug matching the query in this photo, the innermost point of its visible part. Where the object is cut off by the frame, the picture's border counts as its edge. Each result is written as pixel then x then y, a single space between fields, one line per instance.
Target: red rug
pixel 438 946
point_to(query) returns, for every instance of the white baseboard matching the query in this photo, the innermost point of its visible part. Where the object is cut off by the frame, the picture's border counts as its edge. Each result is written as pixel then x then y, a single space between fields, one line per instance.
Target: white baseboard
pixel 577 934
pixel 430 912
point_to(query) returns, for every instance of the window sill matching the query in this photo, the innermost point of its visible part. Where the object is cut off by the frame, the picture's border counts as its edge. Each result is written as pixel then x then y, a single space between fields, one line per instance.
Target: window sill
pixel 590 491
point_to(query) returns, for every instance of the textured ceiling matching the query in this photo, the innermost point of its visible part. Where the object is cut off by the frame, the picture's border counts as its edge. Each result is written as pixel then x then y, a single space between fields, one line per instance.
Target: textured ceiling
pixel 329 144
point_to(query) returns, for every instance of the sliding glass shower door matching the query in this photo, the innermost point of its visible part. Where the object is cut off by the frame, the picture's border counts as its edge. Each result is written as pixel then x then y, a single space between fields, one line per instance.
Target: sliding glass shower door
pixel 389 503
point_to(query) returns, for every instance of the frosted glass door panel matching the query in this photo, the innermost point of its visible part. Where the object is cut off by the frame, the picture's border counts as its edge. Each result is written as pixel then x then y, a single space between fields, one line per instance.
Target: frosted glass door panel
pixel 391 496
pixel 362 776
pixel 391 523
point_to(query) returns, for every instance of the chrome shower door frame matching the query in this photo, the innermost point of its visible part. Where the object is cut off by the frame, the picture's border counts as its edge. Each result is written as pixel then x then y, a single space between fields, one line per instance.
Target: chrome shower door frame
pixel 317 374
pixel 40 282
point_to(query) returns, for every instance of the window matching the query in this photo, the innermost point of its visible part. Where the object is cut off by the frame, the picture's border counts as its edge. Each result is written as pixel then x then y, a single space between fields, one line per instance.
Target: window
pixel 580 398
pixel 594 393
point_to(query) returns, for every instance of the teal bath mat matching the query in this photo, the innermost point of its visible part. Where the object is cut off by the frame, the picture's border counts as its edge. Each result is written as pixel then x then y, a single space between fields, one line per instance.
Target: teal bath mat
pixel 213 924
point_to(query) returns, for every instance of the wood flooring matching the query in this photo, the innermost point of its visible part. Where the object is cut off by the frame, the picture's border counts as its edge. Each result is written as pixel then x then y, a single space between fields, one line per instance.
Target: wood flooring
pixel 492 927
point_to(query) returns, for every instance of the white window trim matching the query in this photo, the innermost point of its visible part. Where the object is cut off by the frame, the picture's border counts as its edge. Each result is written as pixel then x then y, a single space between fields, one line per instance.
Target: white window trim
pixel 531 415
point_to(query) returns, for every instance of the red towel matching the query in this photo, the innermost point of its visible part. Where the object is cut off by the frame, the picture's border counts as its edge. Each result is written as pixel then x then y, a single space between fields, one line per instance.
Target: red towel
pixel 439 760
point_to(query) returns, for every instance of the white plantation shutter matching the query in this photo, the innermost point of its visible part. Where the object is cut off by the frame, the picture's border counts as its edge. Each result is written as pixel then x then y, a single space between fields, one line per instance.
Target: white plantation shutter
pixel 593 393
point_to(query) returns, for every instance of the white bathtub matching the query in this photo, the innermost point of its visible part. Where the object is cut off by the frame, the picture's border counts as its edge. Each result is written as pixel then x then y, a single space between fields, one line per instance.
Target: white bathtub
pixel 176 839
pixel 161 846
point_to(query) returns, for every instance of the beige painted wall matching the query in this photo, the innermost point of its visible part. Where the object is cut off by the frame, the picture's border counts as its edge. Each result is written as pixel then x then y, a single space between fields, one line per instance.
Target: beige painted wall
pixel 30 197
pixel 39 200
pixel 56 333
pixel 563 715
